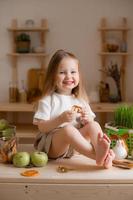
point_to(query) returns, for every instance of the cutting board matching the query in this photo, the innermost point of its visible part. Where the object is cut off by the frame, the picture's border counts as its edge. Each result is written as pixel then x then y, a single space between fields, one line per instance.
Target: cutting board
pixel 35 79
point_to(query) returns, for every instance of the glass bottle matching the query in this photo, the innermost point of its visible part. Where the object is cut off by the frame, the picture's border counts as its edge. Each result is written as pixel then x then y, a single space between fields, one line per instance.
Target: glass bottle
pixel 22 93
pixel 12 92
pixel 16 92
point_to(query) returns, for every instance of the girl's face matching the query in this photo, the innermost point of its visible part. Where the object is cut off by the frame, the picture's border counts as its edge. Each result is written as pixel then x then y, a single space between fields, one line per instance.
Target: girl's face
pixel 67 76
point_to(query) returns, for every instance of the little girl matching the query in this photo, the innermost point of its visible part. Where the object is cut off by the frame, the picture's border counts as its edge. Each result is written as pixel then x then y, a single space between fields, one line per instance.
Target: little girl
pixel 64 117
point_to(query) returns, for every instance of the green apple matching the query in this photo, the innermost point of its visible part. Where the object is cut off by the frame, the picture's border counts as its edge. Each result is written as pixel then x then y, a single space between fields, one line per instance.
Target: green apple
pixel 39 159
pixel 3 124
pixel 21 159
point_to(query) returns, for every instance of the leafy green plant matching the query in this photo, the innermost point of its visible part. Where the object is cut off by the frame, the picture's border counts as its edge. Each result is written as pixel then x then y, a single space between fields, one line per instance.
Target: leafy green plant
pixel 123 116
pixel 23 43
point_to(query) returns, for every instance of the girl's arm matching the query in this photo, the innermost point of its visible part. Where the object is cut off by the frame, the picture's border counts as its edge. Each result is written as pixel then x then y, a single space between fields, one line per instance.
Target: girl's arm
pixel 48 125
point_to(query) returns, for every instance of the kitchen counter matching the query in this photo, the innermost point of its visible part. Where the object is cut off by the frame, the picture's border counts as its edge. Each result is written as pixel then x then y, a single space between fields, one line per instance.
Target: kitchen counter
pixel 84 180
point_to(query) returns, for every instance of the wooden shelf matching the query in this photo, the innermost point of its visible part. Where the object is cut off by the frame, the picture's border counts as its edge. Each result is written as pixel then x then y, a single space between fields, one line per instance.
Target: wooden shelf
pixel 34 29
pixel 26 130
pixel 114 29
pixel 107 107
pixel 25 107
pixel 121 52
pixel 114 54
pixel 16 107
pixel 115 39
pixel 15 31
pixel 26 133
pixel 27 54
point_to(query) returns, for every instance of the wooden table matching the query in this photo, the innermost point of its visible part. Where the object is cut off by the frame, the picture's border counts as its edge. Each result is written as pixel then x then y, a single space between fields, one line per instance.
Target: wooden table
pixel 85 182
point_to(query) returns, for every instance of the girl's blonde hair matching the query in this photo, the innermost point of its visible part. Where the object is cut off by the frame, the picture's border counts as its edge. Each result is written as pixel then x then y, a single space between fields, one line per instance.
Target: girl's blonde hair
pixel 49 83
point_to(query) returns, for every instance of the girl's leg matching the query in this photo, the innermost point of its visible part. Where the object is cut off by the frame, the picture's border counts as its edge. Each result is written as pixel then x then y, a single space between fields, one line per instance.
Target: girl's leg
pixel 66 136
pixel 99 140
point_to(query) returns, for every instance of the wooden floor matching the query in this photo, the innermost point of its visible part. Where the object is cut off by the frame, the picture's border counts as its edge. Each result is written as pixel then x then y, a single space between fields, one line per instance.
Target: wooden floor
pixel 84 181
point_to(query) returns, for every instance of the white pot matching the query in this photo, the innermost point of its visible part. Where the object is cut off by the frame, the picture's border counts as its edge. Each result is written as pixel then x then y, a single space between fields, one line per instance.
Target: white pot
pixel 119 150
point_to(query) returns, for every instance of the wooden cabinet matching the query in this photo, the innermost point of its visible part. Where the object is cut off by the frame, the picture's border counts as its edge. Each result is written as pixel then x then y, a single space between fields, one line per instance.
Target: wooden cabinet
pixel 114 45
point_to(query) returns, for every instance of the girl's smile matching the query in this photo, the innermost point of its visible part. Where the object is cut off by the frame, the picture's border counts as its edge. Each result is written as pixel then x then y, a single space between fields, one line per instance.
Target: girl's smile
pixel 67 76
pixel 68 82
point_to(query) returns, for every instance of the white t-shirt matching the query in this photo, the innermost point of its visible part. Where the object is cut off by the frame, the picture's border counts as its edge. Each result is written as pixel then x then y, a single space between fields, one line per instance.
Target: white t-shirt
pixel 53 105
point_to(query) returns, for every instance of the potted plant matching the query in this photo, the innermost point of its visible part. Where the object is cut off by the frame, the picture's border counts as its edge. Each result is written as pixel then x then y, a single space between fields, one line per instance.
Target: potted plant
pixel 23 43
pixel 122 124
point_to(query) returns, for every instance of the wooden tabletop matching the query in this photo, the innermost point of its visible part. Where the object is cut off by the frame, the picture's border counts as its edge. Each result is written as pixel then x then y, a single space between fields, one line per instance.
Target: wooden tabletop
pixel 84 171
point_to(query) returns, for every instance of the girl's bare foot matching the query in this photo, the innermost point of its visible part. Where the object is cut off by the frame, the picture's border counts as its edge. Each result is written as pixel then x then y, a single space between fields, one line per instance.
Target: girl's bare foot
pixel 106 137
pixel 102 150
pixel 108 161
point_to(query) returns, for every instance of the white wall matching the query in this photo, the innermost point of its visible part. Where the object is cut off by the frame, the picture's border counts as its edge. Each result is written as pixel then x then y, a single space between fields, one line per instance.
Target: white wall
pixel 73 26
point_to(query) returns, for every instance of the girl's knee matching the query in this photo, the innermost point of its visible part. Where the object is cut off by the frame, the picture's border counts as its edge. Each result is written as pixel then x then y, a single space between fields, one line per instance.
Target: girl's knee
pixel 93 125
pixel 69 130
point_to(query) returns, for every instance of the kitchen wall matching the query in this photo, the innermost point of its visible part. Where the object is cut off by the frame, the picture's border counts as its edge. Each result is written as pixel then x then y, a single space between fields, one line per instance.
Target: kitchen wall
pixel 73 26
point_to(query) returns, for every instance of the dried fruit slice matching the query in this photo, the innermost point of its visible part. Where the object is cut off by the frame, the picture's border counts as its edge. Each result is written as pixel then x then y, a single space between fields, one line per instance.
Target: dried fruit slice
pixel 29 173
pixel 77 109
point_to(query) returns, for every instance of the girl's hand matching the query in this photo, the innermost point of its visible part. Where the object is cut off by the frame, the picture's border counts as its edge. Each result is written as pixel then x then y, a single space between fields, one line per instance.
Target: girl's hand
pixel 67 116
pixel 85 118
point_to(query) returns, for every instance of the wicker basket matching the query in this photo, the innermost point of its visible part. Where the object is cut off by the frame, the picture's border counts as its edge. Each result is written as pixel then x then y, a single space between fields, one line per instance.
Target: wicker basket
pixel 8 145
pixel 112 130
